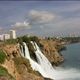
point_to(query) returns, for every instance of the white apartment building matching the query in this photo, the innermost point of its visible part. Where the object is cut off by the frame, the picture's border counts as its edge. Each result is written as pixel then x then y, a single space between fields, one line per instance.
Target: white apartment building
pixel 1 37
pixel 6 36
pixel 12 34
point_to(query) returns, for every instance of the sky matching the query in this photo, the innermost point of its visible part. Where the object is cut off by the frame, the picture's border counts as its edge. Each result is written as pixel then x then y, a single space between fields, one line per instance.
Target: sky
pixel 42 18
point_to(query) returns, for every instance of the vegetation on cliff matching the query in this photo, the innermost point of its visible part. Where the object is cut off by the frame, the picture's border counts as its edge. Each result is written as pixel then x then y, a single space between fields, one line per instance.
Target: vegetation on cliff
pixel 2 56
pixel 4 73
pixel 70 39
pixel 10 41
pixel 27 40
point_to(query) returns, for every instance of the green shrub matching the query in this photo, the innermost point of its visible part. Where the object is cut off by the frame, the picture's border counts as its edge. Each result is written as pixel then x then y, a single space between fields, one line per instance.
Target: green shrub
pixel 4 72
pixel 23 39
pixel 34 38
pixel 2 56
pixel 10 41
pixel 27 39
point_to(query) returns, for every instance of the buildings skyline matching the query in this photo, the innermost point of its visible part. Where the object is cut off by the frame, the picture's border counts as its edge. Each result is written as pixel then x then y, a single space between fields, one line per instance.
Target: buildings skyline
pixel 10 35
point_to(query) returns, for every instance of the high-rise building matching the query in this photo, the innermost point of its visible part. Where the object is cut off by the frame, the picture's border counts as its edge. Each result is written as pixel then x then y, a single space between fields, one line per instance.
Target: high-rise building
pixel 12 34
pixel 6 36
pixel 1 37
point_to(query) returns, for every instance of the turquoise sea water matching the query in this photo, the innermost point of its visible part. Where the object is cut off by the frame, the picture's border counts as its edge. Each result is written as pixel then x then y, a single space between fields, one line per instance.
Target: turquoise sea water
pixel 72 58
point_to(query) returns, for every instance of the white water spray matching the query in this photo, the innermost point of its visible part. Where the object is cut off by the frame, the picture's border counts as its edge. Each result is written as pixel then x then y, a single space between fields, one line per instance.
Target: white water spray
pixel 45 68
pixel 21 51
pixel 34 64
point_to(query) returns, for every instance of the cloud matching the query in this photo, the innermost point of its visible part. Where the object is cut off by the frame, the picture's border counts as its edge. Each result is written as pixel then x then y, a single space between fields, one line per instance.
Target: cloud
pixel 21 25
pixel 41 16
pixel 62 25
pixel 59 20
pixel 69 22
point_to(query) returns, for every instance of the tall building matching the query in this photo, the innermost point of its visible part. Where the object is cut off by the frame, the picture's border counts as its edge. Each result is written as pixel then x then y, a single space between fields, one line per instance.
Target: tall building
pixel 12 34
pixel 6 36
pixel 1 37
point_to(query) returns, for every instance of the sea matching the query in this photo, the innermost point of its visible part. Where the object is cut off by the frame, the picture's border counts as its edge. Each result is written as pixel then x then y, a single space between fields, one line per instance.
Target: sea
pixel 72 59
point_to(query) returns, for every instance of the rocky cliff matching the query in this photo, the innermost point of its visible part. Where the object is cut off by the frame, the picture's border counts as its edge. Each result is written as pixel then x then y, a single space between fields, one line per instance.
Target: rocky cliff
pixel 17 66
pixel 51 51
pixel 20 68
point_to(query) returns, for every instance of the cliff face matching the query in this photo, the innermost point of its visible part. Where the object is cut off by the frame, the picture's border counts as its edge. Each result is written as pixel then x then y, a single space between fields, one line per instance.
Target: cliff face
pixel 20 68
pixel 49 48
pixel 17 66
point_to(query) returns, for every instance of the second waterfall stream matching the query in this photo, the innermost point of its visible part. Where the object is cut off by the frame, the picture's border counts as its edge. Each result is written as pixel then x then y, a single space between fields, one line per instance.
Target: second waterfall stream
pixel 44 67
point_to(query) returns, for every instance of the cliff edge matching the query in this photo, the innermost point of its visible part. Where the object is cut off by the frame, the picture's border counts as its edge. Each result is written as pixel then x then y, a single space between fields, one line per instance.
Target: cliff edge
pixel 19 68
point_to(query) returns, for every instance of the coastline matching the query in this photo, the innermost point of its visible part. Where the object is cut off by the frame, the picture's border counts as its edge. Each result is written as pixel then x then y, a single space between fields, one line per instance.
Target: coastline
pixel 50 48
pixel 12 51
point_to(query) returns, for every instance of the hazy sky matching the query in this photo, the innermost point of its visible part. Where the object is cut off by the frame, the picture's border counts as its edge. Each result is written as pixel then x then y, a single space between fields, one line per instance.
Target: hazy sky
pixel 40 17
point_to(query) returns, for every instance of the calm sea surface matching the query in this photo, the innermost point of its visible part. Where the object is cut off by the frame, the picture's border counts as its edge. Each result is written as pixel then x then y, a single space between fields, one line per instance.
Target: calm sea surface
pixel 72 58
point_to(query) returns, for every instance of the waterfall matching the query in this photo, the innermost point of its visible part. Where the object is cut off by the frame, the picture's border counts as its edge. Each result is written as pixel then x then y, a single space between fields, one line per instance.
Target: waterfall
pixel 21 51
pixel 26 51
pixel 43 62
pixel 45 68
pixel 34 64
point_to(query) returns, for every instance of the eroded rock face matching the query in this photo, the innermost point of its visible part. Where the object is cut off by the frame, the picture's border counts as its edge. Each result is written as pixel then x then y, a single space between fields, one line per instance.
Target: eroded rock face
pixel 29 76
pixel 48 48
pixel 12 50
pixel 20 72
pixel 3 78
pixel 10 66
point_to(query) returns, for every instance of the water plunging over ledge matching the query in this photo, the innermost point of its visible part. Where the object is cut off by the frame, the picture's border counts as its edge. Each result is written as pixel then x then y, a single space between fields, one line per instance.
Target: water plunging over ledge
pixel 44 66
